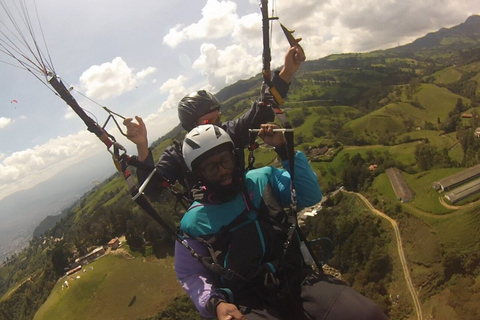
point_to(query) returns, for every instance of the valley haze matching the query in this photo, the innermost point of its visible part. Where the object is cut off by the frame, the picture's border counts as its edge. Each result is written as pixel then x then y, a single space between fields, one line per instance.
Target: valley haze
pixel 21 212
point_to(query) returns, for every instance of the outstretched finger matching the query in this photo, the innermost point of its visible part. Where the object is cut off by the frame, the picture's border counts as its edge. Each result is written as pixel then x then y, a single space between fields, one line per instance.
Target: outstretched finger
pixel 127 121
pixel 139 120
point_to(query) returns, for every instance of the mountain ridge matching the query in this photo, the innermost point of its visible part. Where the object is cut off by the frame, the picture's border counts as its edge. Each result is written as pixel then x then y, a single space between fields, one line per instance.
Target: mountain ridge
pixel 468 34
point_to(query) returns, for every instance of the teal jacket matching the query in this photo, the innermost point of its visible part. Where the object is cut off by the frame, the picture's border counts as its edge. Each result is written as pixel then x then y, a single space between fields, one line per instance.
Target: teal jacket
pixel 269 190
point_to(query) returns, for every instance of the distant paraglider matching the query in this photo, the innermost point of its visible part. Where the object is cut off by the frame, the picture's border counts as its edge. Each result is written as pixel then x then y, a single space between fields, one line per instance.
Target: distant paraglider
pixel 14 101
pixel 95 182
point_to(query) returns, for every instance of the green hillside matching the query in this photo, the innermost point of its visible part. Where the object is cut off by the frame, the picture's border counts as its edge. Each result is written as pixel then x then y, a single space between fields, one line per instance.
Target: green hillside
pixel 355 115
pixel 438 101
pixel 429 106
pixel 114 287
pixel 388 119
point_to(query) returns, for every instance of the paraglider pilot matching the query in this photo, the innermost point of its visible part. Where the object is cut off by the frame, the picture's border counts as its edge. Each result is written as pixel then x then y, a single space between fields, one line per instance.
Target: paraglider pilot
pixel 201 107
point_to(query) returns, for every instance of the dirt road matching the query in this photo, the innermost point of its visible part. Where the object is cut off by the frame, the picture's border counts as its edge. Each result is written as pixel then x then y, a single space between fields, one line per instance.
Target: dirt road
pixel 401 254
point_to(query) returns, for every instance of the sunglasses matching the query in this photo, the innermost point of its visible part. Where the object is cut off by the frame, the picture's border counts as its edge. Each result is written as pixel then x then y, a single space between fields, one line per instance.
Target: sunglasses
pixel 213 120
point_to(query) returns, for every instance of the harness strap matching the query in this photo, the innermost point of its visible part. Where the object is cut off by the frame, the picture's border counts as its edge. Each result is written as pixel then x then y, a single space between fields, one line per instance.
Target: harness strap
pixel 251 148
pixel 276 95
pixel 241 219
pixel 180 197
pixel 279 113
pixel 292 213
pixel 266 270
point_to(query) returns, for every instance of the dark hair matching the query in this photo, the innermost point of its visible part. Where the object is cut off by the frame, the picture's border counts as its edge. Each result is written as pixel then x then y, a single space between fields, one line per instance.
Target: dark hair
pixel 194 105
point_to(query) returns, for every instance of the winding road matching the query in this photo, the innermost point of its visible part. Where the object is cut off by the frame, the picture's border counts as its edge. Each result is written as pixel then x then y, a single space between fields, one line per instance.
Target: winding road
pixel 401 254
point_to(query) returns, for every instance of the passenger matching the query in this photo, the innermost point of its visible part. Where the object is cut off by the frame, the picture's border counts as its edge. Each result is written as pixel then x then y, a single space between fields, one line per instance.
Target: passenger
pixel 254 267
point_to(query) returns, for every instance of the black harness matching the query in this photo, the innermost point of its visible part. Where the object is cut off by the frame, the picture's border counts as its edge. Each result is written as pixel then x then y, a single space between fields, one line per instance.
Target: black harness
pixel 267 278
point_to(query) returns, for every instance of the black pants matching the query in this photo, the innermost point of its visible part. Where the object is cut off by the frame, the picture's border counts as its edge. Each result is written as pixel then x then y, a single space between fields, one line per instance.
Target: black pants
pixel 322 297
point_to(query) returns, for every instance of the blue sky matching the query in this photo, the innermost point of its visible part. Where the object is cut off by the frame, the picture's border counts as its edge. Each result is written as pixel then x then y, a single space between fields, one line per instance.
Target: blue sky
pixel 141 57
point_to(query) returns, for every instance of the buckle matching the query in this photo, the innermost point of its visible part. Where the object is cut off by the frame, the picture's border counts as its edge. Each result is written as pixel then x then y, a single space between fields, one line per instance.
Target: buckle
pixel 273 279
pixel 228 274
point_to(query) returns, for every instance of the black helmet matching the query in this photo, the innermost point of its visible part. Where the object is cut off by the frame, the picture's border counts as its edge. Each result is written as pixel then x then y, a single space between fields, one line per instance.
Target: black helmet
pixel 195 105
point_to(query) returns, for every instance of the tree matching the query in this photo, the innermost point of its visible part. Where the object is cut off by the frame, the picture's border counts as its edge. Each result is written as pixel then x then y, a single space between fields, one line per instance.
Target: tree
pixel 450 124
pixel 335 127
pixel 425 154
pixel 58 258
pixel 306 111
pixel 467 140
pixel 133 236
pixel 452 264
pixel 317 129
pixel 298 119
pixel 459 106
pixel 356 175
pixel 299 138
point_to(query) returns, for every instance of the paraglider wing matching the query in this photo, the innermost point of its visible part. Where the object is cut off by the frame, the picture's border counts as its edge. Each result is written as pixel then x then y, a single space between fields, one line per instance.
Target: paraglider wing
pixel 14 101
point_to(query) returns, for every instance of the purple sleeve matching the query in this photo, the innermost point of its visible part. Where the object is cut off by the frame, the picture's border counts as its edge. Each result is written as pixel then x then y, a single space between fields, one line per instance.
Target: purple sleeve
pixel 194 277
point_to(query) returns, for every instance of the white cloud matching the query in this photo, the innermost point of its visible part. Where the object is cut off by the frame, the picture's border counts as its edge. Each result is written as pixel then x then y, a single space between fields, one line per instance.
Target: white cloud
pixel 111 79
pixel 247 32
pixel 218 19
pixel 234 42
pixel 226 66
pixel 158 124
pixel 145 72
pixel 176 90
pixel 172 84
pixel 339 26
pixel 5 122
pixel 24 169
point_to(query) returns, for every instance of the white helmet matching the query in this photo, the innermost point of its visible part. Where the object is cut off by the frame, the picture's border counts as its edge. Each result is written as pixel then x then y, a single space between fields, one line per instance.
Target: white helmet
pixel 202 139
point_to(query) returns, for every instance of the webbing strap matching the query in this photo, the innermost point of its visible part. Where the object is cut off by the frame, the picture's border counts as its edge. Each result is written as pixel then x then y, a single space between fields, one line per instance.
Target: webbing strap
pixel 292 215
pixel 276 95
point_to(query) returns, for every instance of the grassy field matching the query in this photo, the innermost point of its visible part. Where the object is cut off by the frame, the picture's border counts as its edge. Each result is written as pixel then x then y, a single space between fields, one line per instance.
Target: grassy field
pixel 386 119
pixel 447 75
pixel 460 231
pixel 331 171
pixel 384 188
pixel 115 186
pixel 454 73
pixel 426 197
pixel 438 101
pixel 435 104
pixel 440 140
pixel 114 287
